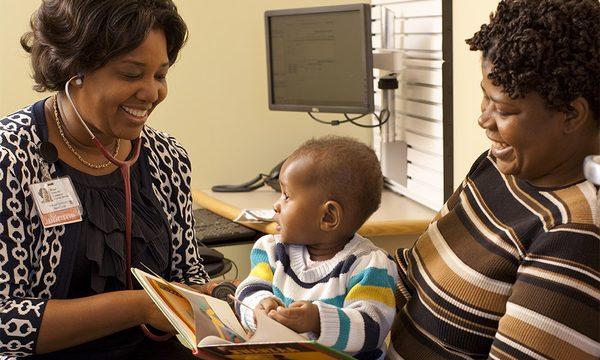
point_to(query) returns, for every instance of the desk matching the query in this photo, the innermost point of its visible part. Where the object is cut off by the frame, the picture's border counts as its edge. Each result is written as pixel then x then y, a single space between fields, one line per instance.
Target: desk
pixel 397 222
pixel 397 215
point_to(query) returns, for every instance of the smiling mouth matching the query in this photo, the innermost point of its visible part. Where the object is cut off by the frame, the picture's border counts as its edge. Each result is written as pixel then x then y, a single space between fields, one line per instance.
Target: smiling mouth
pixel 501 150
pixel 135 112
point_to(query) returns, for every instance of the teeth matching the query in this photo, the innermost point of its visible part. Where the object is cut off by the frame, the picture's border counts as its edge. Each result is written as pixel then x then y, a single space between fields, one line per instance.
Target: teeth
pixel 135 112
pixel 499 145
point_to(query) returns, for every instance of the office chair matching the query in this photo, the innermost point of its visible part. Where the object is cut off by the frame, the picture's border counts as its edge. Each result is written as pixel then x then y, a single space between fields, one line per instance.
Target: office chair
pixel 591 170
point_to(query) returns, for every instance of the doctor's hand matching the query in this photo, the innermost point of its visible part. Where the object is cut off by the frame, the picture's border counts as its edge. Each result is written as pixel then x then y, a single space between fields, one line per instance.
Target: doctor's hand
pixel 300 316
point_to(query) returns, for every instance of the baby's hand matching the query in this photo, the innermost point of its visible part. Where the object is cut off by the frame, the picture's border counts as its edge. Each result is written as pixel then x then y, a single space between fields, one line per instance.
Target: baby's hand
pixel 300 316
pixel 267 305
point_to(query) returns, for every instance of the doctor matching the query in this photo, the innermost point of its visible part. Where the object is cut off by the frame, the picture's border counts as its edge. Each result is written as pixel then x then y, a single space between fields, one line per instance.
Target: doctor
pixel 65 288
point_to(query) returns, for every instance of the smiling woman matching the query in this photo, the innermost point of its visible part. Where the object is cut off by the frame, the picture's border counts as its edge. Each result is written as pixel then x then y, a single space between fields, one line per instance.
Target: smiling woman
pixel 66 290
pixel 509 268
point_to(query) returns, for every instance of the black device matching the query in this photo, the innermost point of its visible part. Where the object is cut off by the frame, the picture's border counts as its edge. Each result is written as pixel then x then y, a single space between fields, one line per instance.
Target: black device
pixel 215 264
pixel 271 179
pixel 320 59
pixel 223 290
pixel 213 229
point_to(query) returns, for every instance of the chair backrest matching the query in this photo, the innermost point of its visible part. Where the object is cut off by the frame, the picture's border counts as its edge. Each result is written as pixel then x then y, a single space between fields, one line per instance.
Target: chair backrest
pixel 591 170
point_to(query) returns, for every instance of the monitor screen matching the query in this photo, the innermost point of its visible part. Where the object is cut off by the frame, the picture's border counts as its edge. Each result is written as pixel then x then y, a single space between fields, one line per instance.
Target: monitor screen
pixel 320 59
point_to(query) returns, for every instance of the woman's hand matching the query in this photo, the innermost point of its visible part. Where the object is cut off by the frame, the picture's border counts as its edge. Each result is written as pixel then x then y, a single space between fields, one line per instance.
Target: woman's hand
pixel 300 316
pixel 150 314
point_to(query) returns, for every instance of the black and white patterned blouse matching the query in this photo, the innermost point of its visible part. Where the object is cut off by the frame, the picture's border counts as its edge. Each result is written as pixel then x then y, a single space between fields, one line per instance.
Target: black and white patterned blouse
pixel 36 263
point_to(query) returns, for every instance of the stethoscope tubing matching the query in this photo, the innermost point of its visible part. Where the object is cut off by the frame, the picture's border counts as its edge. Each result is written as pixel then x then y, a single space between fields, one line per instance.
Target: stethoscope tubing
pixel 125 169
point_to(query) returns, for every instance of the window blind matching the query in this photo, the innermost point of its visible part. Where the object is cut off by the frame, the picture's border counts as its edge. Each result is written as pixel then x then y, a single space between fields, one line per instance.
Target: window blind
pixel 417 159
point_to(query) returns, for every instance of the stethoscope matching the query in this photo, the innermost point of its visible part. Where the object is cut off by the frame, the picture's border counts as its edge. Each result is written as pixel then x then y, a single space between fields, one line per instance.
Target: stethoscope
pixel 125 169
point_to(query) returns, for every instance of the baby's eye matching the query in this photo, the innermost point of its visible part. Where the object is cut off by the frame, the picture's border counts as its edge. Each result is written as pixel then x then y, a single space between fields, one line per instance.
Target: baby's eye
pixel 285 196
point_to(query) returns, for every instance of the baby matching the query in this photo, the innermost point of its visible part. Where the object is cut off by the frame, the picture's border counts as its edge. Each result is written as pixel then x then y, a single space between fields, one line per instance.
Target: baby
pixel 318 276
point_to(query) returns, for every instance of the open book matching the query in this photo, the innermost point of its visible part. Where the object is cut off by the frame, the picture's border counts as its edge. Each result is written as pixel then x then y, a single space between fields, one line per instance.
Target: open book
pixel 208 327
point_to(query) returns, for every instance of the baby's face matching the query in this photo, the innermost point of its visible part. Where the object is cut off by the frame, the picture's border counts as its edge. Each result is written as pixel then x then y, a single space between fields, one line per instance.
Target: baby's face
pixel 297 211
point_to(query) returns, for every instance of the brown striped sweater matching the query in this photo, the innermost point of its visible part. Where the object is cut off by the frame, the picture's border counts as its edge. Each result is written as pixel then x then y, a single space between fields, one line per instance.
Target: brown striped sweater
pixel 504 271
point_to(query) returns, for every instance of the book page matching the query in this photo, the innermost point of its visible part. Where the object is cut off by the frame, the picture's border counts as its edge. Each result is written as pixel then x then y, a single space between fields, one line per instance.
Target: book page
pixel 269 331
pixel 171 303
pixel 214 317
pixel 194 315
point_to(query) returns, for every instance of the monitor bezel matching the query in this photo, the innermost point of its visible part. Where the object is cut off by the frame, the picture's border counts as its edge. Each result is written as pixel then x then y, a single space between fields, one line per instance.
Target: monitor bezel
pixel 365 12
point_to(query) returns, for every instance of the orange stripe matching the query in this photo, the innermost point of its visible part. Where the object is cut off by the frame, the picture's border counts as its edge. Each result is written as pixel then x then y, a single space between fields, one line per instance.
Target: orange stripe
pixel 452 284
pixel 539 341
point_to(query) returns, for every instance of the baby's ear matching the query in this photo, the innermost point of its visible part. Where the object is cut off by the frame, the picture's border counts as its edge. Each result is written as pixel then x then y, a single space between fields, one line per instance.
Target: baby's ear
pixel 332 215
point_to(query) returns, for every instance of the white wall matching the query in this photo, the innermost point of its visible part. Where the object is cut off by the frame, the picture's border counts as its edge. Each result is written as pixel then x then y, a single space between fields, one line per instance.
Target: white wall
pixel 469 138
pixel 217 104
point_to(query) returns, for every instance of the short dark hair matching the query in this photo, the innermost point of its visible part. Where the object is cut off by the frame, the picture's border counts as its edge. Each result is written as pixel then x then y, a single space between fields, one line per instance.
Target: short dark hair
pixel 348 170
pixel 551 47
pixel 72 36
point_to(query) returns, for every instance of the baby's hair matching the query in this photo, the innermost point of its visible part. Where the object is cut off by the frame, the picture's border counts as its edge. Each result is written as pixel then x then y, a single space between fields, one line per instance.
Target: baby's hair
pixel 348 171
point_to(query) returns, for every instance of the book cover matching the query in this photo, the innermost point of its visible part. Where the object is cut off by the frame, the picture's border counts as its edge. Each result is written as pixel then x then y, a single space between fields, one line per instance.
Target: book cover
pixel 209 327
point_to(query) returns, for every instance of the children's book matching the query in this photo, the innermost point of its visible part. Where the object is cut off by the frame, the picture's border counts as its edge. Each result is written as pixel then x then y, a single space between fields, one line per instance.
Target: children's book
pixel 208 326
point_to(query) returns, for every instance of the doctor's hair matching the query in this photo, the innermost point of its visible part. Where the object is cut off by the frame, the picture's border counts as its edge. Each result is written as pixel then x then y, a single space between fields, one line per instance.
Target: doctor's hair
pixel 551 47
pixel 347 170
pixel 68 37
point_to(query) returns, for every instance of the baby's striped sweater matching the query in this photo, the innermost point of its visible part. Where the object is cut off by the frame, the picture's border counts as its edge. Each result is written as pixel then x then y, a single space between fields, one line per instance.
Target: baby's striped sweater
pixel 354 291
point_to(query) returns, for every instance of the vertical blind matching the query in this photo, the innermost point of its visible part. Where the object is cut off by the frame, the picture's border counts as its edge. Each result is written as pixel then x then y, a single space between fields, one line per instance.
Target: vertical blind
pixel 420 119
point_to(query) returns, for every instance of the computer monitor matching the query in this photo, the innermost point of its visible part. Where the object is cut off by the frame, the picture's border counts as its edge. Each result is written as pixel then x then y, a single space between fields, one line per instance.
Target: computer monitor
pixel 320 59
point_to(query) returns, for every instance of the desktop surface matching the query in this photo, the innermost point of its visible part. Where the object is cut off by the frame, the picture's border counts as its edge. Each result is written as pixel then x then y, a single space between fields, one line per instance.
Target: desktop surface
pixel 397 215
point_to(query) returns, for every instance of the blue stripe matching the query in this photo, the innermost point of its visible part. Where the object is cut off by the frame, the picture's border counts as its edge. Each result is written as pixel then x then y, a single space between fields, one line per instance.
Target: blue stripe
pixel 341 268
pixel 372 277
pixel 257 256
pixel 286 300
pixel 342 340
pixel 337 301
pixel 249 290
pixel 371 333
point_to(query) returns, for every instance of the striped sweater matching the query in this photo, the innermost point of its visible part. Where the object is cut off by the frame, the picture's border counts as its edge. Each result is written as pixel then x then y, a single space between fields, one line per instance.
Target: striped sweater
pixel 504 271
pixel 354 291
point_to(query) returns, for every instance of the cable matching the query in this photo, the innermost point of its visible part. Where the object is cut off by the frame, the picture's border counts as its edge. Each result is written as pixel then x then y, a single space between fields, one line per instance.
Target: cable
pixel 380 122
pixel 335 122
pixel 235 266
pixel 352 120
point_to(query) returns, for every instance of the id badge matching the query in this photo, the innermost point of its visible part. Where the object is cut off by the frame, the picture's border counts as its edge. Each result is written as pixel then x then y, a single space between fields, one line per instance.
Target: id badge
pixel 57 202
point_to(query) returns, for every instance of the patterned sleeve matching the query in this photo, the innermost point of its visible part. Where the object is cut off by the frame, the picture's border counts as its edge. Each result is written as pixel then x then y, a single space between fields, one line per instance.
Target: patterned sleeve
pixel 258 285
pixel 186 263
pixel 365 319
pixel 20 316
pixel 553 311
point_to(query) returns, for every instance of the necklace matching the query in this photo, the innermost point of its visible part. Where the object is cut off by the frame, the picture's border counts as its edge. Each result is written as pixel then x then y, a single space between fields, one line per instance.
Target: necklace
pixel 71 148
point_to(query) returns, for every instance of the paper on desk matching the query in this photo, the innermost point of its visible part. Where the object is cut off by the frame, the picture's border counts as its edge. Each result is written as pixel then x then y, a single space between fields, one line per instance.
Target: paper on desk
pixel 256 216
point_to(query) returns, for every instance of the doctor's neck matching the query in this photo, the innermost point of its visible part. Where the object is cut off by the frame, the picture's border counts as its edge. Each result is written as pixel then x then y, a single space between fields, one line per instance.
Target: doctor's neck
pixel 74 130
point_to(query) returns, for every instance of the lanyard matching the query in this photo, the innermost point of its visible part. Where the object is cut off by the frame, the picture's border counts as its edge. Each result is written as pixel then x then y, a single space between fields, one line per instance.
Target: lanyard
pixel 125 168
